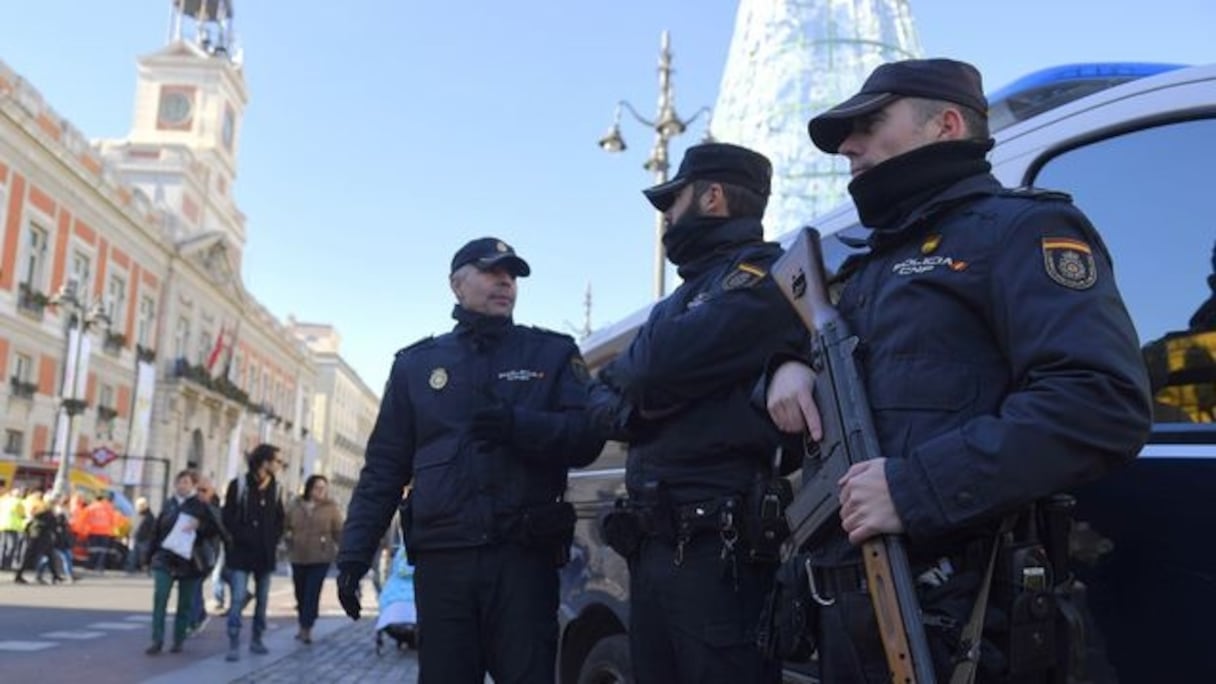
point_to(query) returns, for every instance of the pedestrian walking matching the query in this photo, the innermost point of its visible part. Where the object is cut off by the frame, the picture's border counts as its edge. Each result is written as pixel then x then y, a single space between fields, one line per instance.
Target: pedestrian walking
pixel 314 526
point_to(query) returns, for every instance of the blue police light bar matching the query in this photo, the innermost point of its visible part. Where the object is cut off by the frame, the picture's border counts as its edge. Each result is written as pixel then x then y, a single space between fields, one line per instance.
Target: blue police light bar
pixel 1049 88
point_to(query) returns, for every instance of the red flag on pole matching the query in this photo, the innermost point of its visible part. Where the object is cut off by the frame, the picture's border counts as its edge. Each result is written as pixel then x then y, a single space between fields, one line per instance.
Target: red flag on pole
pixel 216 350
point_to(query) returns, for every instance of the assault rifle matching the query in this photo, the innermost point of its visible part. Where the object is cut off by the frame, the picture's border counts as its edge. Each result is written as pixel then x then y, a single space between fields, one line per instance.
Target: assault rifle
pixel 848 438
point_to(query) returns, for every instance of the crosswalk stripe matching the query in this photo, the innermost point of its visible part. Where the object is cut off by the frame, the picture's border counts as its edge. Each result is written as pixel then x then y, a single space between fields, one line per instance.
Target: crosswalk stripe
pixel 26 646
pixel 79 634
pixel 114 625
pixel 138 618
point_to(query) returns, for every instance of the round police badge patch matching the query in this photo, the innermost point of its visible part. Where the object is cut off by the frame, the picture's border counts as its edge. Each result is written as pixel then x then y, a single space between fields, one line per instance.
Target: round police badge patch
pixel 439 379
pixel 1070 263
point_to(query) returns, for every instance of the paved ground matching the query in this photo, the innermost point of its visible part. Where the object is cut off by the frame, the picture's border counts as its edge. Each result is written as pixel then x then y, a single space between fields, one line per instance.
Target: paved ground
pixel 345 656
pixel 95 631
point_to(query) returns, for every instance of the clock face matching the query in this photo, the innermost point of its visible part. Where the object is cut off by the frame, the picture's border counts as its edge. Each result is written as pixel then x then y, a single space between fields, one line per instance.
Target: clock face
pixel 174 107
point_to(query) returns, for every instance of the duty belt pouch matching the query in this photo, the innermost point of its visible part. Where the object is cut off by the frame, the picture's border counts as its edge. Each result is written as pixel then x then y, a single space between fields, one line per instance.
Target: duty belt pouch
pixel 549 525
pixel 1032 608
pixel 788 620
pixel 765 526
pixel 622 530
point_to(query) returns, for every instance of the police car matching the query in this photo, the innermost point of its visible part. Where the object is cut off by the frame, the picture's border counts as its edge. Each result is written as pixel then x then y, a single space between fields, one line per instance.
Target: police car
pixel 1135 145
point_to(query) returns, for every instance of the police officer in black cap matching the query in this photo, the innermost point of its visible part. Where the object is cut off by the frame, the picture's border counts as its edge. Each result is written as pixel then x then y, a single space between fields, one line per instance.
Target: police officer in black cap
pixel 1001 367
pixel 699 454
pixel 483 423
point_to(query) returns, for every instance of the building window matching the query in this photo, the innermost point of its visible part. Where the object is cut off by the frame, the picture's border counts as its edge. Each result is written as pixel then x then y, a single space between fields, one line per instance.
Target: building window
pixel 23 370
pixel 116 298
pixel 23 367
pixel 82 266
pixel 147 319
pixel 33 269
pixel 14 440
pixel 106 412
pixel 205 343
pixel 181 338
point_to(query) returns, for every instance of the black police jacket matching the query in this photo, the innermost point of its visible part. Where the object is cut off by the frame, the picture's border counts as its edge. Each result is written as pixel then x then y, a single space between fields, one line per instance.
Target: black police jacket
pixel 1000 362
pixel 465 492
pixel 680 394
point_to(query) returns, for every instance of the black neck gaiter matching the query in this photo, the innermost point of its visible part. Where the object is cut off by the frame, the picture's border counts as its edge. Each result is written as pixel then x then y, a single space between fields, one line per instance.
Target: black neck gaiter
pixel 889 192
pixel 693 241
pixel 484 329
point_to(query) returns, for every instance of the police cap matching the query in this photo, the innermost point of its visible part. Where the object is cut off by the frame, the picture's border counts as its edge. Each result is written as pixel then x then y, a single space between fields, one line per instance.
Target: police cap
pixel 932 79
pixel 721 162
pixel 486 253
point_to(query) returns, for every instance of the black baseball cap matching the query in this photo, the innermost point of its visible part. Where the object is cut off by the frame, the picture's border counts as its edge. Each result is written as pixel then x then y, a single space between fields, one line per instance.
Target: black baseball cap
pixel 932 79
pixel 486 253
pixel 720 162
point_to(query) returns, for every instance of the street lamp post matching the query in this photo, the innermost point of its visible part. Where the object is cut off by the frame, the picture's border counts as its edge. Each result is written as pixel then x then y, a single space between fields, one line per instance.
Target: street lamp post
pixel 81 317
pixel 666 125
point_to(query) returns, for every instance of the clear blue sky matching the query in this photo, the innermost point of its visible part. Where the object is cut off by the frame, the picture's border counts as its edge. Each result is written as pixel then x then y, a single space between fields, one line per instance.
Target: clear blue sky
pixel 382 135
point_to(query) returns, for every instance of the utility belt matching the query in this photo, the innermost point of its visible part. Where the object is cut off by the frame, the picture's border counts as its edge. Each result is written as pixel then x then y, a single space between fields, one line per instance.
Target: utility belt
pixel 751 529
pixel 1030 624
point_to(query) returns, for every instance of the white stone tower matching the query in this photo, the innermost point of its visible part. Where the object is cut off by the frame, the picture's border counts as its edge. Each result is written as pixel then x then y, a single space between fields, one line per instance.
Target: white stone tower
pixel 789 60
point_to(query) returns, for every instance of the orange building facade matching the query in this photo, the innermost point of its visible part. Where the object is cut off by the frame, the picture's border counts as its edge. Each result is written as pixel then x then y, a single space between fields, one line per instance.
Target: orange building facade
pixel 145 231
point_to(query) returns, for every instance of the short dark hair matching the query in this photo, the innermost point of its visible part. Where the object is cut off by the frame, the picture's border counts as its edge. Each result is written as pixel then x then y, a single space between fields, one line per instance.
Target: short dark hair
pixel 740 201
pixel 308 485
pixel 262 453
pixel 976 122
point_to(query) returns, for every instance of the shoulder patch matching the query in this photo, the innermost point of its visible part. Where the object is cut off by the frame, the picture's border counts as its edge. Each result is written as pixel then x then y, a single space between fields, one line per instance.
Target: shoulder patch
pixel 743 275
pixel 1069 262
pixel 417 345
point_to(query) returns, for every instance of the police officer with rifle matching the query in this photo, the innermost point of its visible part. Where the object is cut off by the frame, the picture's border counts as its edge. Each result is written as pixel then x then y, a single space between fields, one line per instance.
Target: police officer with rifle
pixel 1000 367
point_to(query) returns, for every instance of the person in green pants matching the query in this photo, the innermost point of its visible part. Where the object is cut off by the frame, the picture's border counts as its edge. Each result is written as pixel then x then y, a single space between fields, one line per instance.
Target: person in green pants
pixel 180 552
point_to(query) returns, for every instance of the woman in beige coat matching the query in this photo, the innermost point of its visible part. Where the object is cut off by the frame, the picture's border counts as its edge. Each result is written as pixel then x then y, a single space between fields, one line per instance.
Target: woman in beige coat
pixel 314 525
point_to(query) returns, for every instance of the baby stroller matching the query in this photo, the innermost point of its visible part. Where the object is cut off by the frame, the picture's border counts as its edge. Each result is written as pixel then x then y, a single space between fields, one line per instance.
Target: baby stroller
pixel 398 619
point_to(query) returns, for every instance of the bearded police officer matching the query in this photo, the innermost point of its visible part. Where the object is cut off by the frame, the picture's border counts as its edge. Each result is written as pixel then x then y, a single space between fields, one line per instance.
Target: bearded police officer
pixel 483 423
pixel 1001 368
pixel 699 454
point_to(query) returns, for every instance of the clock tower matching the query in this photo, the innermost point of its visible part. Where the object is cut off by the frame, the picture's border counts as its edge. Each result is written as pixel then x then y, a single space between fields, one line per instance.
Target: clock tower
pixel 189 100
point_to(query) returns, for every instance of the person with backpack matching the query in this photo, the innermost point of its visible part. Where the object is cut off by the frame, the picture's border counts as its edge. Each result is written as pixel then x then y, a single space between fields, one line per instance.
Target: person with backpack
pixel 254 515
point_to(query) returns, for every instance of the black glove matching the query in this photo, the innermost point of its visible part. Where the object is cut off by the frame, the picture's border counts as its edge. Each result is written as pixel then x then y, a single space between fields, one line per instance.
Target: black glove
pixel 349 576
pixel 494 424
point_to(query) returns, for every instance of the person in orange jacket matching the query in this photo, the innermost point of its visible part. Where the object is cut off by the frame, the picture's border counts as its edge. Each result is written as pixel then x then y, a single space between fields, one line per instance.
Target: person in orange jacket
pixel 101 522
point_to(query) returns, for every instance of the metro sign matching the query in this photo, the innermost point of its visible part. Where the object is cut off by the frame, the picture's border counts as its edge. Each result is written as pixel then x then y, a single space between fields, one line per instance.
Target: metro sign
pixel 103 456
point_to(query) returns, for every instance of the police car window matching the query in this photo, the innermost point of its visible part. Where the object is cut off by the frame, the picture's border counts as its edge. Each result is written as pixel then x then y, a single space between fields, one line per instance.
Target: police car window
pixel 1149 192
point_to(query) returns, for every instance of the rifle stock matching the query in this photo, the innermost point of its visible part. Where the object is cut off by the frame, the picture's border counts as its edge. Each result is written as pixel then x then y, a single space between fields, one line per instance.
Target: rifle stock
pixel 848 438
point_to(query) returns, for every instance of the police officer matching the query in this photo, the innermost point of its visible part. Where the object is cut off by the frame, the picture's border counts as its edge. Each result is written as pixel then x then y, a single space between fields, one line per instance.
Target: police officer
pixel 483 422
pixel 1001 365
pixel 699 453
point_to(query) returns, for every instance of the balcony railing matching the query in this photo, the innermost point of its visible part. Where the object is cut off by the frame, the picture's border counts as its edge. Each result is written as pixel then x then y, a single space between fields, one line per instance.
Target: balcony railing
pixel 114 342
pixel 197 374
pixel 31 301
pixel 22 388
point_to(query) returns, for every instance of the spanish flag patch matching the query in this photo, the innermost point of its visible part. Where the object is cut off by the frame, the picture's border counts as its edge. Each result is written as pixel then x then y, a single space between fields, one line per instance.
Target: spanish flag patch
pixel 744 275
pixel 1069 262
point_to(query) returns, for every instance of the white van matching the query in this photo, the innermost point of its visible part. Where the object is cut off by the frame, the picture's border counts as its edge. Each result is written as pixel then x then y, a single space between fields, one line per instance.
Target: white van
pixel 1139 157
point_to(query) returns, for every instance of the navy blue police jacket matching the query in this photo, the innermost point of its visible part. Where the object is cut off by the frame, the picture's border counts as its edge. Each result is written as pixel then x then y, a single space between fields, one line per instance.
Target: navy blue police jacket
pixel 680 394
pixel 465 492
pixel 1000 361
